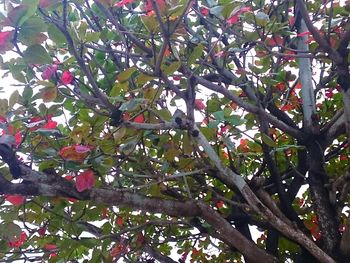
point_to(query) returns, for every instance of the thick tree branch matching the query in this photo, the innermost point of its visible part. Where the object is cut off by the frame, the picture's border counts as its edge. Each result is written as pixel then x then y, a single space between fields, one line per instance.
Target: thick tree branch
pixel 286 228
pixel 314 31
pixel 307 90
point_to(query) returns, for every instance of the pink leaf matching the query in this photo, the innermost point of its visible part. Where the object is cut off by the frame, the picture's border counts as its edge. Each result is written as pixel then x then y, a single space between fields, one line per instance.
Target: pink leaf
pixel 49 72
pixel 67 77
pixel 204 11
pixel 4 37
pixel 306 33
pixel 233 19
pixel 85 181
pixel 82 148
pixel 5 43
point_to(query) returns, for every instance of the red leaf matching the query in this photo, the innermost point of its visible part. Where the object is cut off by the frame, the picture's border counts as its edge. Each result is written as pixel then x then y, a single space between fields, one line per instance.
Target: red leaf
pixel 274 41
pixel 243 146
pixel 140 240
pixel 149 7
pixel 69 177
pixel 343 157
pixel 280 86
pixel 16 200
pixel 236 13
pixel 66 77
pixel 85 181
pixel 18 242
pixel 287 107
pixel 3 119
pixel 220 204
pixel 198 104
pixel 126 116
pixel 195 252
pixel 139 119
pixel 73 200
pixel 329 93
pixel 120 221
pixel 301 202
pixel 50 246
pixel 42 231
pixel 18 138
pixel 167 52
pixel 50 125
pixel 105 213
pixel 243 142
pixel 233 20
pixel 124 3
pixel 70 153
pixel 117 250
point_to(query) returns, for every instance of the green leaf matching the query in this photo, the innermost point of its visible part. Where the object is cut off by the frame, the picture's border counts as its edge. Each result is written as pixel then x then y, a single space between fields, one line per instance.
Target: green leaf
pixel 56 35
pixel 219 115
pixel 126 74
pixel 36 54
pixel 13 98
pixel 118 89
pixel 213 105
pixel 30 31
pixel 31 7
pixel 267 140
pixel 151 23
pixel 10 231
pixel 143 79
pixel 262 19
pixel 235 120
pixel 129 147
pixel 119 134
pixel 131 104
pixel 217 11
pixel 27 93
pixel 92 37
pixel 173 67
pixel 16 14
pixel 196 54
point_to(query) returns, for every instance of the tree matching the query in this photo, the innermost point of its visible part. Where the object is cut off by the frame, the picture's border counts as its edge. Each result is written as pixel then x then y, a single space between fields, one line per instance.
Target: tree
pixel 166 130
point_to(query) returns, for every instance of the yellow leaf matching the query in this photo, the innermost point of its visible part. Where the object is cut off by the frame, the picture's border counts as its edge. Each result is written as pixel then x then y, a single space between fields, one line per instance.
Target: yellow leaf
pixel 48 94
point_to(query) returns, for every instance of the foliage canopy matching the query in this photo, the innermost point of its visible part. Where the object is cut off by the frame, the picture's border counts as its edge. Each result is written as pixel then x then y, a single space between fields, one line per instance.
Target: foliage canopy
pixel 97 165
